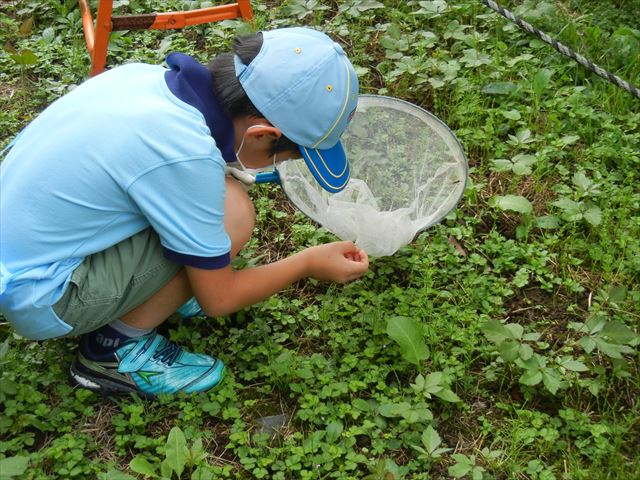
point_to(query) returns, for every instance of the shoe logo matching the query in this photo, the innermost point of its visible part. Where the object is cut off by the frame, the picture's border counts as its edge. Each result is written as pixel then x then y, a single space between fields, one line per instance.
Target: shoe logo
pixel 106 341
pixel 146 376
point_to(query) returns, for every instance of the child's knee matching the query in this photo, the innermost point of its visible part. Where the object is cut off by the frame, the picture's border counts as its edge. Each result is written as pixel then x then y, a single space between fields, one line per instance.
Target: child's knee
pixel 239 215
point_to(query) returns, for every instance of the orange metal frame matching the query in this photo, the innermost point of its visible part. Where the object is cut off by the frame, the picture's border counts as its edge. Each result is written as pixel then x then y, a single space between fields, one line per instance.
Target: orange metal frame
pixel 98 37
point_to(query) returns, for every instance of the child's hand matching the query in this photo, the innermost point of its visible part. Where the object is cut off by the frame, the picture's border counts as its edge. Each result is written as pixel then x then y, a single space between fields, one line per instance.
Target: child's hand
pixel 337 262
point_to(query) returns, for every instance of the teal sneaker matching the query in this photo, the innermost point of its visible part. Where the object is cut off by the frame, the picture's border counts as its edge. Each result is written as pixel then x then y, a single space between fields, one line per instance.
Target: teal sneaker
pixel 191 309
pixel 148 365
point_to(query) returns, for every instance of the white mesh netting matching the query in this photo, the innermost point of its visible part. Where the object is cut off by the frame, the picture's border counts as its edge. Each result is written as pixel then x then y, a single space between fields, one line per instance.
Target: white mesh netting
pixel 407 172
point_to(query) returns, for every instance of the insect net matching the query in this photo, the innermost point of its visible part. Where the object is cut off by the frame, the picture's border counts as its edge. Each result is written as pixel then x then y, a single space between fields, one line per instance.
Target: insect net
pixel 408 171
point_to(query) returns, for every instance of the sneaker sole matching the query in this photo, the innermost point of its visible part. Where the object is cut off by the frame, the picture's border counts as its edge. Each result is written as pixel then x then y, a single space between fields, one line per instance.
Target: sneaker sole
pixel 101 385
pixel 108 387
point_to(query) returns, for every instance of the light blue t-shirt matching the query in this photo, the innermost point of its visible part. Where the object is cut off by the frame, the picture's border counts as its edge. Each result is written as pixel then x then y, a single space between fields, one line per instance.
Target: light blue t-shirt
pixel 118 154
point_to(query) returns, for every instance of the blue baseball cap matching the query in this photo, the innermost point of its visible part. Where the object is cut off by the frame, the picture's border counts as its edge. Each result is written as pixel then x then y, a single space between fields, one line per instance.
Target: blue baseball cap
pixel 304 84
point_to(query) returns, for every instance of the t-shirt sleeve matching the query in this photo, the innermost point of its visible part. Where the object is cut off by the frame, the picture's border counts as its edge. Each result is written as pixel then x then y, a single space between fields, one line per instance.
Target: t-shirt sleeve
pixel 184 203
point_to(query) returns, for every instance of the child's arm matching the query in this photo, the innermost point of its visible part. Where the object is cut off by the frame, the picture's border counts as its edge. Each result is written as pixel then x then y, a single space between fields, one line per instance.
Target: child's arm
pixel 223 291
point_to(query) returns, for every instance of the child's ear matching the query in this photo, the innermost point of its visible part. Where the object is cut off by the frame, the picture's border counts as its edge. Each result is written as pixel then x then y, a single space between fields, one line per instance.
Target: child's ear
pixel 258 131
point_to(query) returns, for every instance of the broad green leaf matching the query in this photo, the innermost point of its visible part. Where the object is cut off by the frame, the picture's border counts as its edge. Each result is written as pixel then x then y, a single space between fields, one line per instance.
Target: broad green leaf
pixel 473 58
pixel 578 327
pixel 393 31
pixel 581 181
pixel 521 168
pixel 439 451
pixel 140 465
pixel 25 30
pixel 594 387
pixel 593 215
pixel 203 473
pixel 610 349
pixel 499 88
pixel 459 470
pixel 417 414
pixel 569 139
pixel 573 365
pixel 617 332
pixel 461 458
pixel 491 454
pixel 418 385
pixel 356 7
pixel 568 205
pixel 406 332
pixel 533 363
pixel 511 114
pixel 433 382
pixel 176 450
pixel 597 322
pixel 361 405
pixel 616 294
pixel 509 350
pixel 212 408
pixel 368 4
pixel 514 203
pixel 551 380
pixel 587 343
pixel 522 164
pixel 420 449
pixel 531 377
pixel 112 474
pixel 313 441
pixel 436 82
pixel 430 439
pixel 166 470
pixel 26 57
pixel 515 329
pixel 13 466
pixel 541 81
pixel 447 395
pixel 520 58
pixel 477 474
pixel 495 331
pixel 334 430
pixel 501 165
pixel 196 452
pixel 48 34
pixel 547 222
pixel 431 9
pixel 361 71
pixel 525 352
pixel 522 136
pixel 391 410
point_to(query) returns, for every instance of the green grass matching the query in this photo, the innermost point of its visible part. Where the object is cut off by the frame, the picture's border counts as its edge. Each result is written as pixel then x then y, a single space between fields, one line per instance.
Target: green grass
pixel 525 300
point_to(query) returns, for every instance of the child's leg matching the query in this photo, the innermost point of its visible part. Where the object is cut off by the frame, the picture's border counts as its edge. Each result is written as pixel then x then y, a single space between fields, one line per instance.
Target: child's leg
pixel 239 220
pixel 125 354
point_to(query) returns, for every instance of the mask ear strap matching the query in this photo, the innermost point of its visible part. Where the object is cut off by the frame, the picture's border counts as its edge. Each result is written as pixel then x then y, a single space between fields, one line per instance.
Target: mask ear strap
pixel 240 147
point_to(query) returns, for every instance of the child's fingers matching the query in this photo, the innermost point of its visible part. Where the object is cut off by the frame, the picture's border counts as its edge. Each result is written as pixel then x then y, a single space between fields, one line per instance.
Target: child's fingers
pixel 362 256
pixel 351 256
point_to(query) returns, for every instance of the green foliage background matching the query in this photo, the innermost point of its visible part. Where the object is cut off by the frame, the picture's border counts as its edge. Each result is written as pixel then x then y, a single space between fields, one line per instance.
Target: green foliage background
pixel 500 344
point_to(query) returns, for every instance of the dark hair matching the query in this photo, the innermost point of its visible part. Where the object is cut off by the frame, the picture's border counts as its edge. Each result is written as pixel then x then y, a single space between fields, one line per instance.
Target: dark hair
pixel 228 89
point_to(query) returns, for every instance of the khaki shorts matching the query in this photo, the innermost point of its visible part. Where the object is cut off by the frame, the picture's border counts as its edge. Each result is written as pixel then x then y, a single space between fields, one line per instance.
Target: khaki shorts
pixel 113 282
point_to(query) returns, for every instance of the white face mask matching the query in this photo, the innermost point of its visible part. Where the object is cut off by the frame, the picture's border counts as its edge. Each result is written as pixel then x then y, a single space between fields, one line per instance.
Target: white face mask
pixel 253 171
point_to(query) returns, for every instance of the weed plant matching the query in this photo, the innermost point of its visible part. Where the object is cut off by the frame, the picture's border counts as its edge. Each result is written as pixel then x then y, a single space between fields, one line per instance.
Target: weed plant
pixel 502 343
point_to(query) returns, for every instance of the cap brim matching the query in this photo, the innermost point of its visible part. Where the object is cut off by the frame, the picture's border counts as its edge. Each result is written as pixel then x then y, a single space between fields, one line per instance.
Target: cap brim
pixel 328 166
